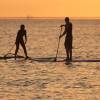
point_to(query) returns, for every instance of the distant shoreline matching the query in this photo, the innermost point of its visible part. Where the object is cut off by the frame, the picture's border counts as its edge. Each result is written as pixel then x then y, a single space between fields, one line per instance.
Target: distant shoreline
pixel 79 18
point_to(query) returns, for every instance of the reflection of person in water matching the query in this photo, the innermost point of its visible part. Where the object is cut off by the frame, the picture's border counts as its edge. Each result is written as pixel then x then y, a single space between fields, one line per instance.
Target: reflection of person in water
pixel 68 38
pixel 19 40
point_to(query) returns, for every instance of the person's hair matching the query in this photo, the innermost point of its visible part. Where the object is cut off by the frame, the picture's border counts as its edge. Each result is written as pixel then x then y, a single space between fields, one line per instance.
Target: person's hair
pixel 66 19
pixel 22 26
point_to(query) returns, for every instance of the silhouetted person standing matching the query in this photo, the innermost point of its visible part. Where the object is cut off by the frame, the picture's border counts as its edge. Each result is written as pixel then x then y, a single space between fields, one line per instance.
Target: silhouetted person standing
pixel 68 38
pixel 20 40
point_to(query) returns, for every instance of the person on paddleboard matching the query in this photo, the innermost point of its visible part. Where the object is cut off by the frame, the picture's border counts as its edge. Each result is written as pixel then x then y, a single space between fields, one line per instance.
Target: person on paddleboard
pixel 68 38
pixel 21 41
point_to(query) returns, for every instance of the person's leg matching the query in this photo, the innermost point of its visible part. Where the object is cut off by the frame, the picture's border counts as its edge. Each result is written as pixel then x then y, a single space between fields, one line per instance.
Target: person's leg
pixel 71 54
pixel 66 48
pixel 16 51
pixel 24 48
pixel 71 49
pixel 67 54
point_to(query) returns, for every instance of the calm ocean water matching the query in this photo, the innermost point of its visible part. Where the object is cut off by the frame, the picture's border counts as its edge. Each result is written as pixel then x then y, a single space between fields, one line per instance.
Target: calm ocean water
pixel 45 80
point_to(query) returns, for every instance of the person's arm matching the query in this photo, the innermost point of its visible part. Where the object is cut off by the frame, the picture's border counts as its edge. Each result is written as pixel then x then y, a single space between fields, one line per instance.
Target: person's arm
pixel 62 25
pixel 62 34
pixel 17 37
pixel 25 37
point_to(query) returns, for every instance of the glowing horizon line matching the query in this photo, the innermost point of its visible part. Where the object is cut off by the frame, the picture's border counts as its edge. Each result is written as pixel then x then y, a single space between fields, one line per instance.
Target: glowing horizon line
pixel 31 17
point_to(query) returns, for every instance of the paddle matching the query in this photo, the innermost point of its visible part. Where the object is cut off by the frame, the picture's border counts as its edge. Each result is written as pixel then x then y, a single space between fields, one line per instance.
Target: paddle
pixel 58 46
pixel 9 51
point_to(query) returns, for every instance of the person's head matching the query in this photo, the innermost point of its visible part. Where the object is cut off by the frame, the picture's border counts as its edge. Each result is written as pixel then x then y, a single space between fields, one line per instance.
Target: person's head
pixel 22 27
pixel 66 19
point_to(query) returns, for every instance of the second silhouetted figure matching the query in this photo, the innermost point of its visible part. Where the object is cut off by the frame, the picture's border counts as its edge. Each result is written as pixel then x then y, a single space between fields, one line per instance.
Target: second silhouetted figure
pixel 20 40
pixel 68 38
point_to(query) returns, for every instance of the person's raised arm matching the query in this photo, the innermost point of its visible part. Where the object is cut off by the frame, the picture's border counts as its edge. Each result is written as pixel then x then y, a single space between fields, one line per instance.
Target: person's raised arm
pixel 62 25
pixel 62 34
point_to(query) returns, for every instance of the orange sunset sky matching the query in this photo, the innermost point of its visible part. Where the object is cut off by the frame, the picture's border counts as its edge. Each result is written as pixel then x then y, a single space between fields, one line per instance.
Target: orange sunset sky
pixel 50 8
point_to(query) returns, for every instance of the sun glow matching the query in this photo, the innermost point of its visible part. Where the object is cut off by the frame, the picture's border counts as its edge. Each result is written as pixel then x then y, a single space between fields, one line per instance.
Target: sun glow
pixel 49 8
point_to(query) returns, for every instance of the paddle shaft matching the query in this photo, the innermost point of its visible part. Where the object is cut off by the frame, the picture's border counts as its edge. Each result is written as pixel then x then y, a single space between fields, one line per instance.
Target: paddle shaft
pixel 10 50
pixel 58 45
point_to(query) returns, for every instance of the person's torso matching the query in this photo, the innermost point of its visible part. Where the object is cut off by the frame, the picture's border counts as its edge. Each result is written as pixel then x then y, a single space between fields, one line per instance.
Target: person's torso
pixel 68 29
pixel 20 35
